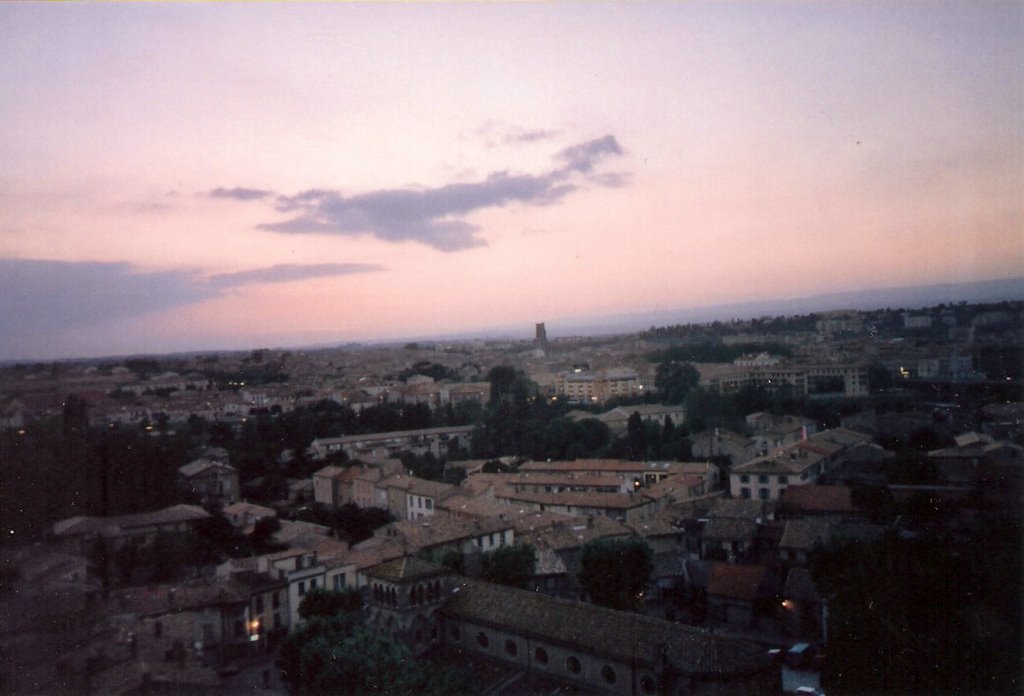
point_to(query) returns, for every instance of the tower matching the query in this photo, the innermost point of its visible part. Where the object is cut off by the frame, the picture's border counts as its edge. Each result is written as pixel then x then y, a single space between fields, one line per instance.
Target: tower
pixel 541 339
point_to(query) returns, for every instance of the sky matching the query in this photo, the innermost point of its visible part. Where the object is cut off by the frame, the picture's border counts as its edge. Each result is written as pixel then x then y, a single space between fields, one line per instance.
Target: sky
pixel 201 176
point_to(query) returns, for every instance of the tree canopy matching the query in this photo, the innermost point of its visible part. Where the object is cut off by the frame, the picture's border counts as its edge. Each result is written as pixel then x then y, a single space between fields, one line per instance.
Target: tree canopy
pixel 615 572
pixel 509 565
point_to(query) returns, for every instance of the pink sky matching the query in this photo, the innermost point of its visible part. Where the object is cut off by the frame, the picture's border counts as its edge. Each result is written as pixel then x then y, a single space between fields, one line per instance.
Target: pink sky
pixel 479 165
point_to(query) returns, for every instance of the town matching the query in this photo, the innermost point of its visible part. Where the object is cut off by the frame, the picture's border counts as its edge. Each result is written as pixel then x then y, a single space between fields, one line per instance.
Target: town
pixel 741 506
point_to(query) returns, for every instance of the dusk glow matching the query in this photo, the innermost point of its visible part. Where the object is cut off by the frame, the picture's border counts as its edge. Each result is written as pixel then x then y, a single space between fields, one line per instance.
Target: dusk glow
pixel 211 176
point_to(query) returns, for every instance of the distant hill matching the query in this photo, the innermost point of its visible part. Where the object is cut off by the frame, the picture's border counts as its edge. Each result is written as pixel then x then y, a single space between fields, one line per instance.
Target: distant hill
pixel 911 297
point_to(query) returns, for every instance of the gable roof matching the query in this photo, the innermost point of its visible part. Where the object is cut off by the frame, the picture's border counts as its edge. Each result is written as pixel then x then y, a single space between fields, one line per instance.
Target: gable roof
pixel 406 569
pixel 200 466
pixel 742 582
pixel 619 636
pixel 814 498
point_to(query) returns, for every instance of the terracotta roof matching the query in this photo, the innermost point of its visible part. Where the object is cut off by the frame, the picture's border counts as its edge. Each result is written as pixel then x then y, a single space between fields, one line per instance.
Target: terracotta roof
pixel 737 508
pixel 619 636
pixel 804 535
pixel 730 529
pixel 406 568
pixel 741 582
pixel 813 498
pixel 200 466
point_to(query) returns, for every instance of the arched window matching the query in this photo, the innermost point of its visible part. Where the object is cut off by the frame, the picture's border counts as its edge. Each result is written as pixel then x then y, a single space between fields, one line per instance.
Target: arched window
pixel 482 640
pixel 541 656
pixel 572 663
pixel 608 674
pixel 511 649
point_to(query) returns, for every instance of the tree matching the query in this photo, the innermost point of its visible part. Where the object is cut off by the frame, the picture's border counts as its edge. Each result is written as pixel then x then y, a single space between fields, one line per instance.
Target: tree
pixel 615 572
pixel 509 565
pixel 338 655
pixel 328 603
pixel 674 380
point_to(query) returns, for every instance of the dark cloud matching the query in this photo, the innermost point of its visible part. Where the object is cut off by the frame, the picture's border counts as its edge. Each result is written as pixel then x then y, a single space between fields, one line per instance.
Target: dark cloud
pixel 288 272
pixel 528 136
pixel 583 157
pixel 435 216
pixel 239 194
pixel 41 297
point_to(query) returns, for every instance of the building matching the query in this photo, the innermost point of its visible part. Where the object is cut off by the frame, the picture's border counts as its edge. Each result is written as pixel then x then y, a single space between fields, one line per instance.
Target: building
pixel 213 482
pixel 597 649
pixel 437 441
pixel 599 385
pixel 765 477
pixel 831 380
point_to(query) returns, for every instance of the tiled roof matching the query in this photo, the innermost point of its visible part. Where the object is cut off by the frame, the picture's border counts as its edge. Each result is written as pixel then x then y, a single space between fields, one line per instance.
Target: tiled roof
pixel 201 465
pixel 724 528
pixel 813 498
pixel 406 568
pixel 737 508
pixel 619 636
pixel 804 535
pixel 741 582
pixel 112 525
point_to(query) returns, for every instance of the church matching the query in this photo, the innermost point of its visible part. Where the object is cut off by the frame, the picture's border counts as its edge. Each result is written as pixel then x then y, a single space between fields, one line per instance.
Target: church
pixel 600 650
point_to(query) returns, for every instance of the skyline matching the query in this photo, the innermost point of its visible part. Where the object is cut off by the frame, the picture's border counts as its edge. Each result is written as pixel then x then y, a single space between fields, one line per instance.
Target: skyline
pixel 192 177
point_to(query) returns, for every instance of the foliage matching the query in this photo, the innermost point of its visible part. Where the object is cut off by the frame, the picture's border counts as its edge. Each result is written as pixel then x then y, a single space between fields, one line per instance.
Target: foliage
pixel 509 565
pixel 927 615
pixel 338 656
pixel 328 603
pixel 710 351
pixel 351 522
pixel 429 369
pixel 615 572
pixel 674 380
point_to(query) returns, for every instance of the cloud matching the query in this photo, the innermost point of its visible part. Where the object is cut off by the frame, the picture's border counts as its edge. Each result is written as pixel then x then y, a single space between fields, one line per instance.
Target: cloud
pixel 239 194
pixel 520 135
pixel 583 157
pixel 497 133
pixel 42 297
pixel 435 216
pixel 288 272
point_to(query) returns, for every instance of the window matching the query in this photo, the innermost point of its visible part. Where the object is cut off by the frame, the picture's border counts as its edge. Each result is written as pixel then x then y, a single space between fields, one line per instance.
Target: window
pixel 783 480
pixel 302 588
pixel 763 478
pixel 541 656
pixel 572 663
pixel 455 633
pixel 275 601
pixel 482 640
pixel 764 494
pixel 608 674
pixel 511 649
pixel 744 478
pixel 745 492
pixel 259 604
pixel 430 504
pixel 277 621
pixel 339 582
pixel 312 584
